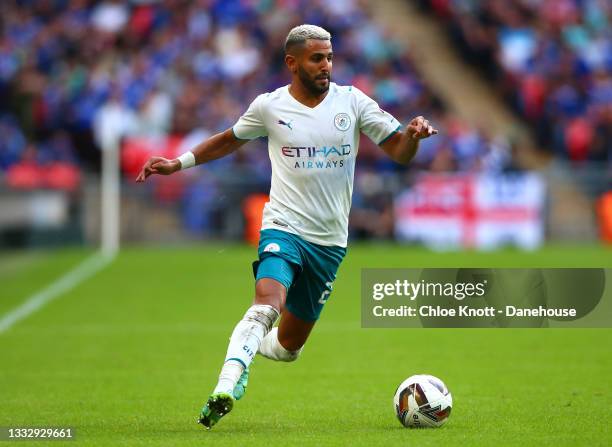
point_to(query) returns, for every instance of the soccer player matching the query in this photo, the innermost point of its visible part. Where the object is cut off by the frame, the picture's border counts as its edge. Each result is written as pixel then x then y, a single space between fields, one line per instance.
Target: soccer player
pixel 313 128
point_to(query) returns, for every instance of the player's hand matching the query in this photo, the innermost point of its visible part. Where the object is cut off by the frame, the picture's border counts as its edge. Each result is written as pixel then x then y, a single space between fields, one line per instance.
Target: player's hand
pixel 419 128
pixel 158 165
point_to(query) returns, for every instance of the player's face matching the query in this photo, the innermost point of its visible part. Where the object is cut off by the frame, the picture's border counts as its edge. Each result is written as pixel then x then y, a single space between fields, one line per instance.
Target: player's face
pixel 314 66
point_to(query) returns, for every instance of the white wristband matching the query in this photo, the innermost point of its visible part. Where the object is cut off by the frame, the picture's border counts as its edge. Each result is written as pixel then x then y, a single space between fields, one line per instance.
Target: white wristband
pixel 187 160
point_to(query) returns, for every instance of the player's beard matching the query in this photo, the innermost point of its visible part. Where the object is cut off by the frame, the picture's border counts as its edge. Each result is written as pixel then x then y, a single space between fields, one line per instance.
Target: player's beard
pixel 311 83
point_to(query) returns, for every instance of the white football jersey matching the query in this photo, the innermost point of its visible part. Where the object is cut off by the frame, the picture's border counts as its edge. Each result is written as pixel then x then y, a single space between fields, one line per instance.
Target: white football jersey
pixel 313 151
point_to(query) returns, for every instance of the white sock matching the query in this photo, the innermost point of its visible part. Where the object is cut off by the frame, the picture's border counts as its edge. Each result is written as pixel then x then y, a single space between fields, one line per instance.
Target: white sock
pixel 273 350
pixel 244 344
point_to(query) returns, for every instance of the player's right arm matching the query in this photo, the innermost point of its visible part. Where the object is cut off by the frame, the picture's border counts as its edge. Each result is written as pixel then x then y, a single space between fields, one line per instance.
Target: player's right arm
pixel 217 146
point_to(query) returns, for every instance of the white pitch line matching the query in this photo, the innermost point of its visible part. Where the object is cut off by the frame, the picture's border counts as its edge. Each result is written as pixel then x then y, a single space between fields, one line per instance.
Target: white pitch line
pixel 70 280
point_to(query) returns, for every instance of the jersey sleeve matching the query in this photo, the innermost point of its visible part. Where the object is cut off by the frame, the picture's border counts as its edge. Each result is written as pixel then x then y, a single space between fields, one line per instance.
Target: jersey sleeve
pixel 374 122
pixel 251 124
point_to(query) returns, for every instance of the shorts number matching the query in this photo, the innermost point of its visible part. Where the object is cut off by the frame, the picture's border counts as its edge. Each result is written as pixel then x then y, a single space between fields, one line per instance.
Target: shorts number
pixel 325 294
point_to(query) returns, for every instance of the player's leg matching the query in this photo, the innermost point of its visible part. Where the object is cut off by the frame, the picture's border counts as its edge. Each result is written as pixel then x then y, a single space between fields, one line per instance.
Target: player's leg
pixel 244 344
pixel 284 343
pixel 268 292
pixel 250 331
pixel 274 275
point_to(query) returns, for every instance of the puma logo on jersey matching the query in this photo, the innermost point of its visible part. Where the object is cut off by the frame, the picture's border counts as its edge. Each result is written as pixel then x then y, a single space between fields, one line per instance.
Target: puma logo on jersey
pixel 288 124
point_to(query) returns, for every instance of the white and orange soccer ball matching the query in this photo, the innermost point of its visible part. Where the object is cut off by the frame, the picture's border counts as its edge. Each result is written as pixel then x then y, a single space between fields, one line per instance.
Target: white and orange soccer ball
pixel 422 401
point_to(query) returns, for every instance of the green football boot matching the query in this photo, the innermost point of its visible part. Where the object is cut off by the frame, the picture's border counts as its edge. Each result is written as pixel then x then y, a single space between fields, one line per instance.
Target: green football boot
pixel 217 406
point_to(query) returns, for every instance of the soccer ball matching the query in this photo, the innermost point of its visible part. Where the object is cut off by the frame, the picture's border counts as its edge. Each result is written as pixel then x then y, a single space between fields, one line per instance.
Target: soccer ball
pixel 422 401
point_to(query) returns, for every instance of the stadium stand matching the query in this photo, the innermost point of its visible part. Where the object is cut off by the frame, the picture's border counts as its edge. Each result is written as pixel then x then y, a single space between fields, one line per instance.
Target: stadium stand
pixel 552 59
pixel 174 67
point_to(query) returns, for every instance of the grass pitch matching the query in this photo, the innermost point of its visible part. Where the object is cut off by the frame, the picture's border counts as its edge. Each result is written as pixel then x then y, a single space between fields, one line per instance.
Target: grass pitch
pixel 129 357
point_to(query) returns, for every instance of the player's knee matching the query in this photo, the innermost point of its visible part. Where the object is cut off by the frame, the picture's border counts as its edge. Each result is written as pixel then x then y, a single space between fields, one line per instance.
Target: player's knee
pixel 270 292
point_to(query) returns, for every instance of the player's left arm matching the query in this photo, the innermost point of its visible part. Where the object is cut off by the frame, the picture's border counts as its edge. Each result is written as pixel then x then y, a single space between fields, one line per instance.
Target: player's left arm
pixel 402 146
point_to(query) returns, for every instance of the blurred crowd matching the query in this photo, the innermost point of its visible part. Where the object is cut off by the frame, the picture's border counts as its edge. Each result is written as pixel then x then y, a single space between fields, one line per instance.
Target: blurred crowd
pixel 78 74
pixel 74 72
pixel 553 60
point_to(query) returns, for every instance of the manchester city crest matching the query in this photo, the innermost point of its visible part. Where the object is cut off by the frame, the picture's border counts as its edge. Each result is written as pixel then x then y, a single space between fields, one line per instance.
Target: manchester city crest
pixel 342 121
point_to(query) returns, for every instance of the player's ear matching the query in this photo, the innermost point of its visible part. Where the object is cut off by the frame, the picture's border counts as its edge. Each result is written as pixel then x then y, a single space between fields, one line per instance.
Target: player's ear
pixel 291 62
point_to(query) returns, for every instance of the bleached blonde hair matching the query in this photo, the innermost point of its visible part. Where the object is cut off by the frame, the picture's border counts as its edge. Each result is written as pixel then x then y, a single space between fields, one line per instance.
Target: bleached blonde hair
pixel 300 34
